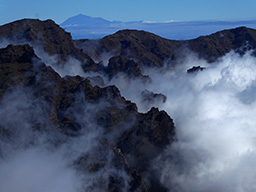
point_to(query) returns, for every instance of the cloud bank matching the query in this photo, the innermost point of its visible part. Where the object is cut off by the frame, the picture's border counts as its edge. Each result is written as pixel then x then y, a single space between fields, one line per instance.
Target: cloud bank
pixel 213 111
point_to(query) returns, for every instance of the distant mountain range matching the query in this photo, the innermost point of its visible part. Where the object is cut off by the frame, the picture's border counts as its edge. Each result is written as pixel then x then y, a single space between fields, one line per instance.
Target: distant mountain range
pixel 86 27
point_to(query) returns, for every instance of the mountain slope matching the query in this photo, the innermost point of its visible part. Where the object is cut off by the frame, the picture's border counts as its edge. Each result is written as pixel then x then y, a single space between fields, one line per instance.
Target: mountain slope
pixel 46 35
pixel 151 50
pixel 144 47
pixel 218 44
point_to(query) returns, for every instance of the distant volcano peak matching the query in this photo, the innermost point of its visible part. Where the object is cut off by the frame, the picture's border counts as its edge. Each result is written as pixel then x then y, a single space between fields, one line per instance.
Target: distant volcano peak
pixel 84 20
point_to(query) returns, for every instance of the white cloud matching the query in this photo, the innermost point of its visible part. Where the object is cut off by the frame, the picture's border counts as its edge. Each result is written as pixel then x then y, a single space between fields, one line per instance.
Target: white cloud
pixel 214 113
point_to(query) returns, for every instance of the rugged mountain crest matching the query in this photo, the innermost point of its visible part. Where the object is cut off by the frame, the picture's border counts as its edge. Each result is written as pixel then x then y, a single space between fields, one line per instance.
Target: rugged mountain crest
pixel 218 44
pixel 44 34
pixel 148 49
pixel 144 47
pixel 135 49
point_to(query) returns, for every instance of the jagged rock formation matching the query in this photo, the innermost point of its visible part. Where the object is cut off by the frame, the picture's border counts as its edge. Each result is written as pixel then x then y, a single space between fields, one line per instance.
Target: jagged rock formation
pixel 144 137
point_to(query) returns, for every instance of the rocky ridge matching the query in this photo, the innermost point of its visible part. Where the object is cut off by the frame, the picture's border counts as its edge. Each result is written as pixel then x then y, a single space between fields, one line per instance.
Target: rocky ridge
pixel 131 50
pixel 45 35
pixel 20 67
pixel 149 50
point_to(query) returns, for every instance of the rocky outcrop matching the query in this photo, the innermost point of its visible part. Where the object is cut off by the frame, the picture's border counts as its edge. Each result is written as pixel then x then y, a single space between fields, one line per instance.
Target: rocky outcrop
pixel 195 69
pixel 121 64
pixel 145 141
pixel 150 97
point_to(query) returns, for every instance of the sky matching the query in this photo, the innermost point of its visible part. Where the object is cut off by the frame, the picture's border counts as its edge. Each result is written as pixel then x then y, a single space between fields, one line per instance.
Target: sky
pixel 132 10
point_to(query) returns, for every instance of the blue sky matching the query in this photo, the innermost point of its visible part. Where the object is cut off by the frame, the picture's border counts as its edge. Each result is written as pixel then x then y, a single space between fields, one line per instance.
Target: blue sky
pixel 128 10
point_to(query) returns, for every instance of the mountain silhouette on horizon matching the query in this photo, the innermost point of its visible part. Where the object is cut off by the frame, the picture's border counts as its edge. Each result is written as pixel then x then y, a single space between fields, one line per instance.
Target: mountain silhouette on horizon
pixel 86 27
pixel 84 20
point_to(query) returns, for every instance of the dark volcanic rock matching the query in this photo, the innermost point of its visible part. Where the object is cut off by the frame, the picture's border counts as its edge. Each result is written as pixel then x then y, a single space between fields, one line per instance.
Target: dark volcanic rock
pixel 20 54
pixel 121 64
pixel 151 132
pixel 195 69
pixel 16 63
pixel 145 141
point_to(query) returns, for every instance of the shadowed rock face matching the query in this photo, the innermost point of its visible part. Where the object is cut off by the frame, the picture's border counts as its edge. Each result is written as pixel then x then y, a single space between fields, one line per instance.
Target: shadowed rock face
pixel 21 54
pixel 144 137
pixel 195 69
pixel 121 64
